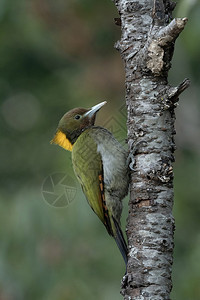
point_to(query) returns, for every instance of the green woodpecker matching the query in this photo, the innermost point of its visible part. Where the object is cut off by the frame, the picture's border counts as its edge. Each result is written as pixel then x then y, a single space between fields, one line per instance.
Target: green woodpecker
pixel 100 164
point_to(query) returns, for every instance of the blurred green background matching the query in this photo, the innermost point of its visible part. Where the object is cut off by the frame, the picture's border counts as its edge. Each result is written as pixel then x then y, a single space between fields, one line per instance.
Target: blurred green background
pixel 54 56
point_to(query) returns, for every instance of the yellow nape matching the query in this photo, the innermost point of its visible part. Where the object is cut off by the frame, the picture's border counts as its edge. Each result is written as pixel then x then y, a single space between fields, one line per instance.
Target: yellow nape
pixel 61 140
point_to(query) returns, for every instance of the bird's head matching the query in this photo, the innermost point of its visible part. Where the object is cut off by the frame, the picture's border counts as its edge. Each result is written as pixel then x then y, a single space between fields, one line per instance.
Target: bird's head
pixel 73 123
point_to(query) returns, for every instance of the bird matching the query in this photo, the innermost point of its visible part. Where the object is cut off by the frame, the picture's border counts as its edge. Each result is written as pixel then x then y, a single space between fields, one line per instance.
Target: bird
pixel 100 164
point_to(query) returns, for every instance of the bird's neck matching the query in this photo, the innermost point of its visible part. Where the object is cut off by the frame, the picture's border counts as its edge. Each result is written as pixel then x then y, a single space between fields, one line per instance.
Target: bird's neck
pixel 72 136
pixel 67 139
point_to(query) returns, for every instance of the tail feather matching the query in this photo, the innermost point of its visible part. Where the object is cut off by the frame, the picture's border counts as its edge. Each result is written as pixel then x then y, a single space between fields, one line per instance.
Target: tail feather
pixel 120 241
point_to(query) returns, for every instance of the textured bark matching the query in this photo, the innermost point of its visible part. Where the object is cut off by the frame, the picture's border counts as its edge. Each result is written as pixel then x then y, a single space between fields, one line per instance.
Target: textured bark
pixel 146 47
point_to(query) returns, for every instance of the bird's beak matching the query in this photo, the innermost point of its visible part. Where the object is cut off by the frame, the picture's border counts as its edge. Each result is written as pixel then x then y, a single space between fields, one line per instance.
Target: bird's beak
pixel 90 113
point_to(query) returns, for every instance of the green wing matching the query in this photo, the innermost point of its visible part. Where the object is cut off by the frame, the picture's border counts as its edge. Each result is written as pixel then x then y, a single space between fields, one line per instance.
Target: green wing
pixel 88 168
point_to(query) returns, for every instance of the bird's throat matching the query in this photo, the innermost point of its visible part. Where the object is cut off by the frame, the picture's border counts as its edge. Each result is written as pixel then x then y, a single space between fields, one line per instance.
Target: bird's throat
pixel 61 140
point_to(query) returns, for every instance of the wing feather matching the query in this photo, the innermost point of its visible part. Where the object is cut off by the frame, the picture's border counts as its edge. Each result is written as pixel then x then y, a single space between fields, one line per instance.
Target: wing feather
pixel 88 168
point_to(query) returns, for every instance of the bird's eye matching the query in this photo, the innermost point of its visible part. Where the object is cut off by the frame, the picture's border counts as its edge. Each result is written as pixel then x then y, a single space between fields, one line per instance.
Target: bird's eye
pixel 77 117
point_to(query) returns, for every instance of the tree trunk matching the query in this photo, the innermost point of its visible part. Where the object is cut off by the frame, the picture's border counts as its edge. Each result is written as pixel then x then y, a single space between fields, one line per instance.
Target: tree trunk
pixel 146 47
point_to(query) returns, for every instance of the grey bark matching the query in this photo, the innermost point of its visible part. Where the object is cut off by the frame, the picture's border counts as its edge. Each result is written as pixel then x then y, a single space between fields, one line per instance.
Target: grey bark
pixel 146 47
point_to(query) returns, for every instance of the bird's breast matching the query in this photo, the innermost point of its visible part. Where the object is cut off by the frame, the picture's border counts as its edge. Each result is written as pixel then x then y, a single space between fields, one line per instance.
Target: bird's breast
pixel 114 163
